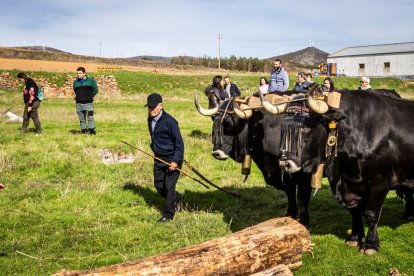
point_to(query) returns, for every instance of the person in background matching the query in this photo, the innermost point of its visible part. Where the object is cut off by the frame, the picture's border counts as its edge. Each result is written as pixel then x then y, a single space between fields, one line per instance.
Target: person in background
pixel 263 85
pixel 231 89
pixel 364 84
pixel 309 76
pixel 301 85
pixel 215 92
pixel 328 85
pixel 31 103
pixel 168 145
pixel 85 89
pixel 279 81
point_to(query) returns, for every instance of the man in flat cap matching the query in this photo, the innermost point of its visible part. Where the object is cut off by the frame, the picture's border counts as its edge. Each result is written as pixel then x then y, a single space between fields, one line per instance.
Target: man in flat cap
pixel 167 144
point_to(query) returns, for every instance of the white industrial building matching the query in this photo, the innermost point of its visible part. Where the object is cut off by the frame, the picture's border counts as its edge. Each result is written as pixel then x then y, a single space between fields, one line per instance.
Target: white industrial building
pixel 394 60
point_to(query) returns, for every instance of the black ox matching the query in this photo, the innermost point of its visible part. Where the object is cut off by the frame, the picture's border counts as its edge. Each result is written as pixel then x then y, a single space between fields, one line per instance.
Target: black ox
pixel 237 133
pixel 367 147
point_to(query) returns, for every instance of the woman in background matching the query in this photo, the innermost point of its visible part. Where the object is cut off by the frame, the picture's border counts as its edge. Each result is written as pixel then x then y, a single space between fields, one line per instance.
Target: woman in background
pixel 328 85
pixel 263 85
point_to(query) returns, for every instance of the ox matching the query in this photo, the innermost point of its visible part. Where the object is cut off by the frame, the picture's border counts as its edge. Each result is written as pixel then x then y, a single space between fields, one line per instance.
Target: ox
pixel 237 133
pixel 367 147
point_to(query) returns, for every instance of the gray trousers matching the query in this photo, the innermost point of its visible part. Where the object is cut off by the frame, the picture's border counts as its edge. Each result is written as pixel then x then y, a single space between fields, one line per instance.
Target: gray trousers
pixel 85 112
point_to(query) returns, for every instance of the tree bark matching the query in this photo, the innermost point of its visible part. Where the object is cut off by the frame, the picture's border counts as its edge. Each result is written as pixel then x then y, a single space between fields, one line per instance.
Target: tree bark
pixel 265 245
pixel 279 270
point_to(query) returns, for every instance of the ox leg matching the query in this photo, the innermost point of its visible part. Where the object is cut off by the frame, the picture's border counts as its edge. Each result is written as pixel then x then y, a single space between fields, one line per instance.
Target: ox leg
pixel 372 215
pixel 304 195
pixel 357 234
pixel 409 204
pixel 292 210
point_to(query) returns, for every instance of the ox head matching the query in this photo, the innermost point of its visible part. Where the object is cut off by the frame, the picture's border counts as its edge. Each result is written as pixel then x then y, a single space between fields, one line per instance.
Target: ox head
pixel 230 128
pixel 305 130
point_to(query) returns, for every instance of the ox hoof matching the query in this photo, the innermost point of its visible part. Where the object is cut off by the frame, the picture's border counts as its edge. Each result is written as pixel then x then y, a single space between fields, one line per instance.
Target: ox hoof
pixel 368 251
pixel 352 243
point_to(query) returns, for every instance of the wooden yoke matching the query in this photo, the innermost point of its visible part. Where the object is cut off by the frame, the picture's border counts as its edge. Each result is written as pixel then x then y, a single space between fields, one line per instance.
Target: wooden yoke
pixel 254 102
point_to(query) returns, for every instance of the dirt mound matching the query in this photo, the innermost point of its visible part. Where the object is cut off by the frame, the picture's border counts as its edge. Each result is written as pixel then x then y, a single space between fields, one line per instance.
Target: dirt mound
pixel 8 81
pixel 107 85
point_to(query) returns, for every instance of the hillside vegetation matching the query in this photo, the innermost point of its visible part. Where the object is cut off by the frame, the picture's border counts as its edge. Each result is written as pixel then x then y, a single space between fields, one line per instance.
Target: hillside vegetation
pixel 63 208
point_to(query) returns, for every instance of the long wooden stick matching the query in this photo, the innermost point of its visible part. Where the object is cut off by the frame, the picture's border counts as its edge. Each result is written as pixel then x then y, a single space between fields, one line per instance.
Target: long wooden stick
pixel 208 181
pixel 162 161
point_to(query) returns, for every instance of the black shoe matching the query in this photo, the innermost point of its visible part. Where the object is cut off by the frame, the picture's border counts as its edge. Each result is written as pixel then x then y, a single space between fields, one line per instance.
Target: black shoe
pixel 163 219
pixel 84 131
pixel 92 131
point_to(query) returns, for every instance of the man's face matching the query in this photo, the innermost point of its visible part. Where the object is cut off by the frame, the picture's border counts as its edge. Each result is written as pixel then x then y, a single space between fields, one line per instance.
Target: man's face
pixel 363 83
pixel 276 65
pixel 154 111
pixel 300 78
pixel 226 80
pixel 81 74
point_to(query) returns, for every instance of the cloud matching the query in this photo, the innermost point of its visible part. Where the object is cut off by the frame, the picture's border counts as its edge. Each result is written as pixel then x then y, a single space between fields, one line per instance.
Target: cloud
pixel 261 28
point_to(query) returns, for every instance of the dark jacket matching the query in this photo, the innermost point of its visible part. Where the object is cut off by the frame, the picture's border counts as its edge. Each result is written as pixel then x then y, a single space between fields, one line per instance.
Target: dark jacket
pixel 85 90
pixel 30 89
pixel 302 87
pixel 166 140
pixel 234 90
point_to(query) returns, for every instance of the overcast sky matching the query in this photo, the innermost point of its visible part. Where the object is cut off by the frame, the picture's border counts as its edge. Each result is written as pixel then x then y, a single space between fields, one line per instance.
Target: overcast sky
pixel 255 28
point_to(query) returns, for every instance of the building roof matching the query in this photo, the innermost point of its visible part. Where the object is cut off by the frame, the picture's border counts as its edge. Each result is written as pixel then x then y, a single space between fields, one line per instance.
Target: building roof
pixel 394 48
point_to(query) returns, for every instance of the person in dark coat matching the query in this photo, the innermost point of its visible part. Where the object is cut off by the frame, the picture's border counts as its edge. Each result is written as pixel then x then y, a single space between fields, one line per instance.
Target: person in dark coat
pixel 31 103
pixel 168 145
pixel 231 88
pixel 302 85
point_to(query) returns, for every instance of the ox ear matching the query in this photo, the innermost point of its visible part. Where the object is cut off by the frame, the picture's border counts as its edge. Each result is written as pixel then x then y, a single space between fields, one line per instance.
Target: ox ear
pixel 334 115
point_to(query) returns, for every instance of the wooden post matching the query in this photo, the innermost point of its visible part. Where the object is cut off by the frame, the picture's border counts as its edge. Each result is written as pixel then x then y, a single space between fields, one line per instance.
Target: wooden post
pixel 265 245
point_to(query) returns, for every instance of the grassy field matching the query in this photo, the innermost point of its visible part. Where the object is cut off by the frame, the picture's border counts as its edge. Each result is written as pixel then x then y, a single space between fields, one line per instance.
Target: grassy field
pixel 63 208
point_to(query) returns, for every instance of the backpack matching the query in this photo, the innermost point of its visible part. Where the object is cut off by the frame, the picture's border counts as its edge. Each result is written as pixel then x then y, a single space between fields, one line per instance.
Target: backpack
pixel 40 93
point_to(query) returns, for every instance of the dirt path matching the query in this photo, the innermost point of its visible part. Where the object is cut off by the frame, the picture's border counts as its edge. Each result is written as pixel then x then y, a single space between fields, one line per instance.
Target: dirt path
pixel 70 67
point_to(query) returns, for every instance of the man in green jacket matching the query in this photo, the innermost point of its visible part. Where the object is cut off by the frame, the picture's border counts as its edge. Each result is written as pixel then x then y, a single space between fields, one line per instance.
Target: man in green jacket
pixel 85 90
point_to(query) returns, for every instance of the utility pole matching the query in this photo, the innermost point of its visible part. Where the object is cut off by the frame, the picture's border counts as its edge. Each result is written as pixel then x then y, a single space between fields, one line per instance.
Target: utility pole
pixel 219 38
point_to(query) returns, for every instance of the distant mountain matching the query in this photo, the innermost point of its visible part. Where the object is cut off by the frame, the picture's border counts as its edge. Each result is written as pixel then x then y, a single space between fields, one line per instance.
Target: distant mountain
pixel 40 48
pixel 308 57
pixel 157 58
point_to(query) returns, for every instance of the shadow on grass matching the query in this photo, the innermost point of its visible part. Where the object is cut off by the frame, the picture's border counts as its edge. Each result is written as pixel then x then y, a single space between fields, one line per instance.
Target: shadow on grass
pixel 199 134
pixel 258 204
pixel 75 131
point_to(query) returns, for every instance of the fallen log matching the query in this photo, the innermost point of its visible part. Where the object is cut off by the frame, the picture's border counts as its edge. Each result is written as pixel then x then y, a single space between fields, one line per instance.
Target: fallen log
pixel 265 245
pixel 279 270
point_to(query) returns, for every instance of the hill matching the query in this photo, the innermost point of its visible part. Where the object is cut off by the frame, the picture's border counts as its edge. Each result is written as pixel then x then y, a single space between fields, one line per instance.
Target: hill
pixel 41 48
pixel 308 57
pixel 150 58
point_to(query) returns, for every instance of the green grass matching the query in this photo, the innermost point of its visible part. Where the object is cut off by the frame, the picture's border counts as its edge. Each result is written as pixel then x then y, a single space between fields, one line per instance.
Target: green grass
pixel 63 208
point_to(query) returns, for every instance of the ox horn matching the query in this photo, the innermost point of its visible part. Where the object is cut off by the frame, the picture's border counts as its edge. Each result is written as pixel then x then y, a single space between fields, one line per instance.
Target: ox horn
pixel 244 112
pixel 270 107
pixel 203 111
pixel 317 106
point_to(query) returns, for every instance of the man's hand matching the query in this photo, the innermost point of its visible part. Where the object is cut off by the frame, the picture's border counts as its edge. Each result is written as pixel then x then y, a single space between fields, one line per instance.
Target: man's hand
pixel 173 166
pixel 29 108
pixel 2 186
